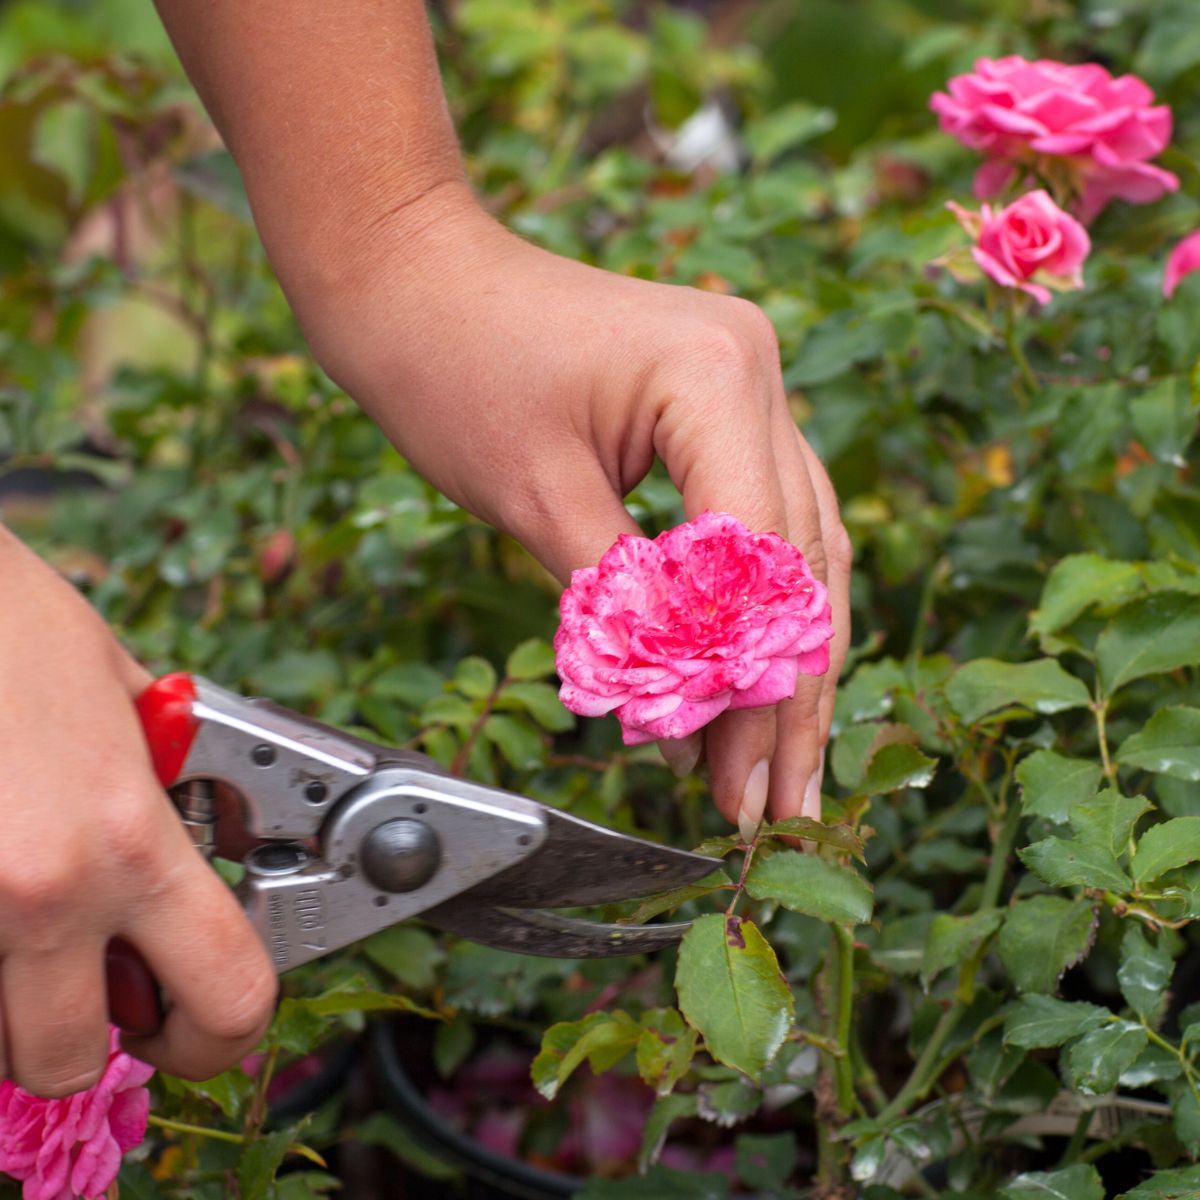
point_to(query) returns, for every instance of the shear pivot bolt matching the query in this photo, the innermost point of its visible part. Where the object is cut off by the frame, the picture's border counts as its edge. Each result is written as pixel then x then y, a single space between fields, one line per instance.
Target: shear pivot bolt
pixel 400 855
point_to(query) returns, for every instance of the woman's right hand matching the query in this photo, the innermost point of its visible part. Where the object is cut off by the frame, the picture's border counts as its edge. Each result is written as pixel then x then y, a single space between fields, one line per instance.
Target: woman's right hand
pixel 92 849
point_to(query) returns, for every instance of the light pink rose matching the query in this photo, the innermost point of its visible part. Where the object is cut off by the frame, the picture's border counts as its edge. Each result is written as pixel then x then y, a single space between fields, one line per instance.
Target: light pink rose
pixel 64 1149
pixel 1030 243
pixel 1183 260
pixel 670 633
pixel 1021 114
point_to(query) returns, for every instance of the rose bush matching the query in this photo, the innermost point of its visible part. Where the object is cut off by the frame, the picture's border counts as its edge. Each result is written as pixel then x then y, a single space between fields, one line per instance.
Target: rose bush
pixel 670 633
pixel 1027 245
pixel 1183 260
pixel 1027 115
pixel 983 982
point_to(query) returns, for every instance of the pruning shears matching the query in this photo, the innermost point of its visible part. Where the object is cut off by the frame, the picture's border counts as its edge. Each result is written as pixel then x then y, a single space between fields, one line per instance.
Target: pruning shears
pixel 350 837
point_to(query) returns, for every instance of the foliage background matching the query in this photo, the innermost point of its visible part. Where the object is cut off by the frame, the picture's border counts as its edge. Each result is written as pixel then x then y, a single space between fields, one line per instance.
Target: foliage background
pixel 165 441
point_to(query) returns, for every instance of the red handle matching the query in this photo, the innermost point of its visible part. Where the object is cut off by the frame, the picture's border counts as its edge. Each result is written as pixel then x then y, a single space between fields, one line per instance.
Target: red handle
pixel 135 1002
pixel 169 722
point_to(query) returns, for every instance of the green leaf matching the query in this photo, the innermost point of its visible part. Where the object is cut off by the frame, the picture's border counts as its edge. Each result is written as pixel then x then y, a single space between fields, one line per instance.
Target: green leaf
pixel 406 953
pixel 666 1110
pixel 1158 633
pixel 1162 847
pixel 452 1042
pixel 668 901
pixel 664 1049
pixel 541 701
pixel 728 1102
pixel 766 1160
pixel 1079 1182
pixel 732 991
pixel 518 741
pixel 229 1091
pixel 298 676
pixel 304 1185
pixel 1095 1062
pixel 380 1129
pixel 533 659
pixel 658 1184
pixel 987 684
pixel 64 141
pixel 1183 1183
pixel 1169 744
pixel 808 884
pixel 841 837
pixel 259 1161
pixel 1051 784
pixel 953 939
pixel 897 766
pixel 413 684
pixel 1035 1021
pixel 1170 47
pixel 1144 974
pixel 1074 864
pixel 601 1039
pixel 832 347
pixel 449 710
pixel 475 677
pixel 1041 938
pixel 788 126
pixel 136 1183
pixel 1079 581
pixel 1185 1115
pixel 1107 820
pixel 301 1022
pixel 1164 415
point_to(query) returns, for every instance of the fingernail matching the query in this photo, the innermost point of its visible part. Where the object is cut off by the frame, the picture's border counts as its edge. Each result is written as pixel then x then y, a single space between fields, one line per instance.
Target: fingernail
pixel 681 754
pixel 754 800
pixel 812 791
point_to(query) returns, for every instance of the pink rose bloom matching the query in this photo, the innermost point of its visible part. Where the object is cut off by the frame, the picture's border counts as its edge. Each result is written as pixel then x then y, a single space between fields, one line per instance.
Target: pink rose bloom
pixel 670 633
pixel 64 1149
pixel 1030 243
pixel 1183 260
pixel 1018 112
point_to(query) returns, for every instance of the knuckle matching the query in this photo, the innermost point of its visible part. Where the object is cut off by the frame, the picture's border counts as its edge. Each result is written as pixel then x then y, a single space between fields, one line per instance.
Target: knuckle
pixel 38 896
pixel 757 324
pixel 247 1012
pixel 839 549
pixel 76 1062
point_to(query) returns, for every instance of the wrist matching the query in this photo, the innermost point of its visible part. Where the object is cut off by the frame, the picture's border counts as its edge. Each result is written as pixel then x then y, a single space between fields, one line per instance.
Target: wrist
pixel 368 291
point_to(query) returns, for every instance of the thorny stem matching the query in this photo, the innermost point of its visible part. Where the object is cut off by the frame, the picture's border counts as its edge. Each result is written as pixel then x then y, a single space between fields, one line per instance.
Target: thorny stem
pixel 929 1066
pixel 256 1113
pixel 1100 709
pixel 222 1135
pixel 459 766
pixel 843 1065
pixel 741 883
pixel 916 645
pixel 1029 382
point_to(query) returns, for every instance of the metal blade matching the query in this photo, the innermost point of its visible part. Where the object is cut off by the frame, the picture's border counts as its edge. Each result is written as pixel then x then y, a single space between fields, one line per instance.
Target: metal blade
pixel 580 863
pixel 551 935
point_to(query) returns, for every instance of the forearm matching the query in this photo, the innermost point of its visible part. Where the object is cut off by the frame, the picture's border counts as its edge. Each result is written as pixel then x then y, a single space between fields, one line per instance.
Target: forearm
pixel 335 115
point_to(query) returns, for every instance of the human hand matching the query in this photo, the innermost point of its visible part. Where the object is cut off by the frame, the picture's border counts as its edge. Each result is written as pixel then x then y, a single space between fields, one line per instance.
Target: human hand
pixel 92 850
pixel 536 392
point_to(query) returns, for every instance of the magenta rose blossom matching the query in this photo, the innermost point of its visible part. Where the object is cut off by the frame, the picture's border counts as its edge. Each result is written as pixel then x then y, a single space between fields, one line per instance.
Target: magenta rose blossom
pixel 1030 243
pixel 64 1149
pixel 670 633
pixel 1183 260
pixel 1020 113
